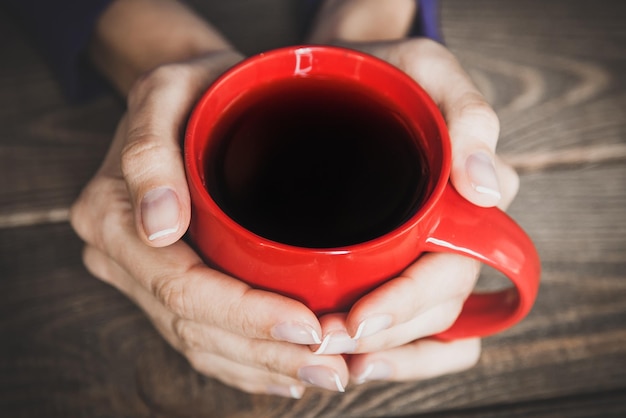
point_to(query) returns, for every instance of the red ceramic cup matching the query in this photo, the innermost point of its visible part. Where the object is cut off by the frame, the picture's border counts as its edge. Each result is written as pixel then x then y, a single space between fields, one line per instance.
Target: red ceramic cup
pixel 320 173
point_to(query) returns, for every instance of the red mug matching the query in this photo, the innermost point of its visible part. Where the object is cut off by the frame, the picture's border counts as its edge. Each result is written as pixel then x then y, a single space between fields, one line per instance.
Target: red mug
pixel 320 173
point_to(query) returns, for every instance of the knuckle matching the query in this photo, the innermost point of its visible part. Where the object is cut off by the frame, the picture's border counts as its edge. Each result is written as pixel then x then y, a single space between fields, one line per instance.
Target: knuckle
pixel 267 360
pixel 115 216
pixel 241 319
pixel 189 335
pixel 99 212
pixel 138 154
pixel 245 323
pixel 173 294
pixel 112 223
pixel 473 105
pixel 151 81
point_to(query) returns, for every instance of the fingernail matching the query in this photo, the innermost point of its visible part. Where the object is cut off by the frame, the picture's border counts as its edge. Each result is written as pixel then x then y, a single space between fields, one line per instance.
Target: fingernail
pixel 338 342
pixel 160 213
pixel 372 325
pixel 296 333
pixel 322 377
pixel 482 174
pixel 291 391
pixel 377 370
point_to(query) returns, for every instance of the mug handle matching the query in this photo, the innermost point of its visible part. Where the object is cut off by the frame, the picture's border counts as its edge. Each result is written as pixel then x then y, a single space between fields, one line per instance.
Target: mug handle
pixel 490 236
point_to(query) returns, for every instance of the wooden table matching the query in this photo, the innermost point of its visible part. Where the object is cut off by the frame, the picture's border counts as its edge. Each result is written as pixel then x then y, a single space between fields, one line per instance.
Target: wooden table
pixel 555 72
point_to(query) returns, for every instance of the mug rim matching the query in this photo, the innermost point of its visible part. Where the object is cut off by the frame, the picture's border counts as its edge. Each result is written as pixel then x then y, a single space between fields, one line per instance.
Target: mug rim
pixel 193 161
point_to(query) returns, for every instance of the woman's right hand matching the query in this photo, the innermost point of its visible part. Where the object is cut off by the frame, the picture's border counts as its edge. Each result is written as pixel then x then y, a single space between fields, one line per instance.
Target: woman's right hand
pixel 132 216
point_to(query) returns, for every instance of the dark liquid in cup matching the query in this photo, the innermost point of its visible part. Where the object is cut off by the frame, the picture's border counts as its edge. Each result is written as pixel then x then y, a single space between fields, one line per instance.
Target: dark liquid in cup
pixel 316 163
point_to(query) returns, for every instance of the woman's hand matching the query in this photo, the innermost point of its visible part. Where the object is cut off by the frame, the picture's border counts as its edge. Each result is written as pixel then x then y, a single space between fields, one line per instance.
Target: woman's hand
pixel 132 215
pixel 386 329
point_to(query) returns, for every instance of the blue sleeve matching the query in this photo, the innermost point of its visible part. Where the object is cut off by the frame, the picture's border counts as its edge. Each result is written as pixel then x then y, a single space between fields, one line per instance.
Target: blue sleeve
pixel 427 22
pixel 60 30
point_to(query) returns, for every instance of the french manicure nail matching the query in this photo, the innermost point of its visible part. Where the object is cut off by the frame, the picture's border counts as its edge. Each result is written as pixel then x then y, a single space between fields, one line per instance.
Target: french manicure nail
pixel 296 333
pixel 373 325
pixel 337 342
pixel 291 391
pixel 482 174
pixel 377 370
pixel 160 213
pixel 321 376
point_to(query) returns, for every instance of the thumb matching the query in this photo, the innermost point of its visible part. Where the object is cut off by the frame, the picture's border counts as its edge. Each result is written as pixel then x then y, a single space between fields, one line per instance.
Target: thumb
pixel 474 129
pixel 151 159
pixel 473 125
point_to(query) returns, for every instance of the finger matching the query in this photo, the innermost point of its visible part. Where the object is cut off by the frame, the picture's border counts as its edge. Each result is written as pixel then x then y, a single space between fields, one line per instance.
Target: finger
pixel 151 159
pixel 195 292
pixel 473 125
pixel 200 341
pixel 336 339
pixel 431 322
pixel 423 359
pixel 245 378
pixel 436 278
pixel 416 291
pixel 295 361
pixel 107 270
pixel 179 280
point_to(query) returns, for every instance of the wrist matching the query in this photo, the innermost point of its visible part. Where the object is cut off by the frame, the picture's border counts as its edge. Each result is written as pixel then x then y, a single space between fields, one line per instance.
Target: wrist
pixel 133 37
pixel 363 21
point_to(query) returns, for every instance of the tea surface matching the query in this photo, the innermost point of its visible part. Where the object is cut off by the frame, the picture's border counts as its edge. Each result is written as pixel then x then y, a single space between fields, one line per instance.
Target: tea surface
pixel 316 163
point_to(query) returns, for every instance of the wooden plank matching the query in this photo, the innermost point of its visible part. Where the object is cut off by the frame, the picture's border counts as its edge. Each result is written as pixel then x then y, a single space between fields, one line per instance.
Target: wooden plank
pixel 560 101
pixel 72 346
pixel 48 147
pixel 606 405
pixel 553 70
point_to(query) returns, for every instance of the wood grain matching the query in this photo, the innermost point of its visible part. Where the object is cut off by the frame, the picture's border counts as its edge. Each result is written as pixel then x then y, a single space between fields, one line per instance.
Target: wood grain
pixel 82 345
pixel 605 405
pixel 554 71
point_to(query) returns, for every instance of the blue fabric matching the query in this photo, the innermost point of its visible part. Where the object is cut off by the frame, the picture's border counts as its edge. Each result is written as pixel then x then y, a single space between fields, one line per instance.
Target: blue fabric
pixel 426 22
